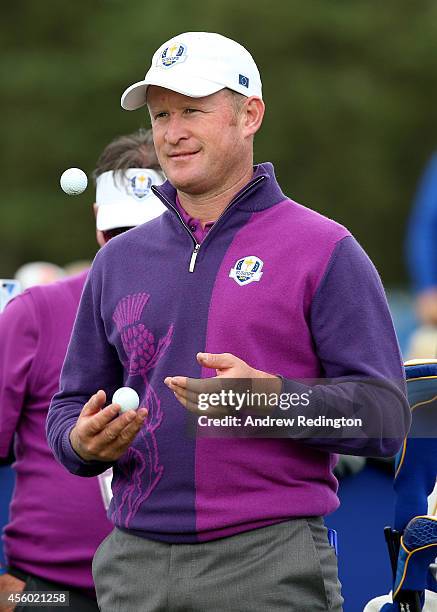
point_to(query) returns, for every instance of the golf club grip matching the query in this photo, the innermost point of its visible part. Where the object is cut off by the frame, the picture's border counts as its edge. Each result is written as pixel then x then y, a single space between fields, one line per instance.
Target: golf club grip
pixel 393 541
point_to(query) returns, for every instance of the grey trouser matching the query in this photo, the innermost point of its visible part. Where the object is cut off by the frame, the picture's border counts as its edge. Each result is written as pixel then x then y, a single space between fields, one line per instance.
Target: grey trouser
pixel 284 567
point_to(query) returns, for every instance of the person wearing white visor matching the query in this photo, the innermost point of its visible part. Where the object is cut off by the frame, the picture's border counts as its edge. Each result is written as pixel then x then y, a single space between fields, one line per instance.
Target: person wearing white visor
pixel 50 507
pixel 124 175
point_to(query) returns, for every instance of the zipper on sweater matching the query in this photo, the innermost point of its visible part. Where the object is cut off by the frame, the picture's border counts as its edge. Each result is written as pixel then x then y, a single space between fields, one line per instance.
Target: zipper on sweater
pixel 193 258
pixel 196 244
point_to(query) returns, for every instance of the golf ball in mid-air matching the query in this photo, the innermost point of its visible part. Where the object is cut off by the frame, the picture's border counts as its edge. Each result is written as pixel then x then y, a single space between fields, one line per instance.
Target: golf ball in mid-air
pixel 127 398
pixel 74 181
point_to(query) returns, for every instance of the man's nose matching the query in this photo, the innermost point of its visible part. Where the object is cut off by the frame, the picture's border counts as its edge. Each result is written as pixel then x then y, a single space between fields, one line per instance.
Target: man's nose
pixel 176 130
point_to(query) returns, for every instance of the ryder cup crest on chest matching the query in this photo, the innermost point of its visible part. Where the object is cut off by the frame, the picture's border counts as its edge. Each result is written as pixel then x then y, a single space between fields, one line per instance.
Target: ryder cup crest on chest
pixel 247 270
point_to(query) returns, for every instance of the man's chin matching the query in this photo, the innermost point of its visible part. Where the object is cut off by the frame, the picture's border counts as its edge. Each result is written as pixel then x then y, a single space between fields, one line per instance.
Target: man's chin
pixel 185 184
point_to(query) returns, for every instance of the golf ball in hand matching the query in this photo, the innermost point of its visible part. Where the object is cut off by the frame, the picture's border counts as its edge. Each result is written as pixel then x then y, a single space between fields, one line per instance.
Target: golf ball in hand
pixel 127 398
pixel 74 181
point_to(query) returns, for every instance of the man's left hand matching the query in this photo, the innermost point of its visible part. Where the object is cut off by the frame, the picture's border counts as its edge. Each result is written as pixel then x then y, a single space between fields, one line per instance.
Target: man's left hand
pixel 227 366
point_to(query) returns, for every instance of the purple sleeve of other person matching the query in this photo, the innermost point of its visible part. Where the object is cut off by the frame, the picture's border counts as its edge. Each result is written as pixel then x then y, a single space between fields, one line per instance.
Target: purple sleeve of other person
pixel 18 345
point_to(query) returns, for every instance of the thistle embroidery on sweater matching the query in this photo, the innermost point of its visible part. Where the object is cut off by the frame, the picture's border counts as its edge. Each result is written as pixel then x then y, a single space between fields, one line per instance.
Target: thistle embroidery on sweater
pixel 139 468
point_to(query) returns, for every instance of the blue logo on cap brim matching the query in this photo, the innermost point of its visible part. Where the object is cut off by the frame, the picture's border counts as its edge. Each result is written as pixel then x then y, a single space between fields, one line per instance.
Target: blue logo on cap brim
pixel 243 80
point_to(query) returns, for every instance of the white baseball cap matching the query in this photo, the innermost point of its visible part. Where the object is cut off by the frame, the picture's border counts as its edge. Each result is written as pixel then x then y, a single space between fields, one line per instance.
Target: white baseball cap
pixel 197 64
pixel 126 199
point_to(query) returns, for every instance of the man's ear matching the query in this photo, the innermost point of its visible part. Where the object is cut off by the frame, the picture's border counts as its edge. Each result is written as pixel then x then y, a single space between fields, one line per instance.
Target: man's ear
pixel 100 236
pixel 253 110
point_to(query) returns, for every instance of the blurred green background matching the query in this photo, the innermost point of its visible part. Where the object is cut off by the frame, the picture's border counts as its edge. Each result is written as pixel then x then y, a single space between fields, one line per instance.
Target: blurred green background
pixel 350 89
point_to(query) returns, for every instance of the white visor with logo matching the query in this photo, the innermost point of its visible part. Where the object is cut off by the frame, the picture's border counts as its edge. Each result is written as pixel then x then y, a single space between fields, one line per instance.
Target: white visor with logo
pixel 126 199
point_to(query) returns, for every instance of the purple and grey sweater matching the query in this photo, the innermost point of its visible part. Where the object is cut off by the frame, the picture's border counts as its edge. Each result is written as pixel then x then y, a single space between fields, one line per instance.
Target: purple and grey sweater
pixel 318 310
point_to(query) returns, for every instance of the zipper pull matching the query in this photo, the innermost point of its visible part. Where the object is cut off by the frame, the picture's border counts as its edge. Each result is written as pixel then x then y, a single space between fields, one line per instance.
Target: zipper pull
pixel 193 258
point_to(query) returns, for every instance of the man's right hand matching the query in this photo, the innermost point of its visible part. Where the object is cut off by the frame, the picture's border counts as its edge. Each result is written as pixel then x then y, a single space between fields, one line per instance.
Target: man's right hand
pixel 9 584
pixel 101 435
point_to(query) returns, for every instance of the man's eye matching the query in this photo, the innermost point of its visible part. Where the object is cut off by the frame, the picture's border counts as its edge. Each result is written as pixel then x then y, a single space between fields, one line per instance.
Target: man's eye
pixel 160 115
pixel 189 111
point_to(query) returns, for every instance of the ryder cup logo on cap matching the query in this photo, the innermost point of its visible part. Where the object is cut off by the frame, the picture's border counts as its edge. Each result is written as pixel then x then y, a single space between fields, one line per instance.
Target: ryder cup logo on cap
pixel 247 270
pixel 126 199
pixel 197 64
pixel 140 185
pixel 173 53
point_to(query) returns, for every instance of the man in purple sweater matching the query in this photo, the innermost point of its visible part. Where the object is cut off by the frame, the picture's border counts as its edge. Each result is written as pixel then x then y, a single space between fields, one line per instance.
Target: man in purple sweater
pixel 234 280
pixel 57 520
